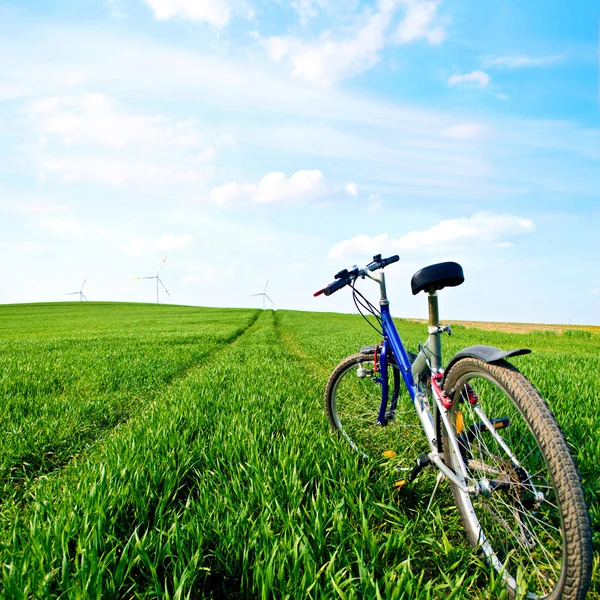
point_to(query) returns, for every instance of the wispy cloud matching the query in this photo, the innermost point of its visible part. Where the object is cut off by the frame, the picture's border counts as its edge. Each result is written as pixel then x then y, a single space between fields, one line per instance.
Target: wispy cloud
pixel 213 12
pixel 419 23
pixel 327 60
pixel 332 58
pixel 43 209
pixel 478 79
pixel 515 61
pixel 89 137
pixel 309 9
pixel 97 118
pixel 117 172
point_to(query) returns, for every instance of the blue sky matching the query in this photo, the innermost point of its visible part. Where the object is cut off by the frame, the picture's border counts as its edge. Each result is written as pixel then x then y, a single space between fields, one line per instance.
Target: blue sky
pixel 250 140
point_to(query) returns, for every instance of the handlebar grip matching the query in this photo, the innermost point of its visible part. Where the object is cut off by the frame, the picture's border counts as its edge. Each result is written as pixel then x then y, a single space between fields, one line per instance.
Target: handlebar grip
pixel 388 261
pixel 335 286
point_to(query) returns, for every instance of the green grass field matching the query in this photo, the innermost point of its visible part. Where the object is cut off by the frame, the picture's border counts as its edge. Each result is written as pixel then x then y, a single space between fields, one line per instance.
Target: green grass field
pixel 168 451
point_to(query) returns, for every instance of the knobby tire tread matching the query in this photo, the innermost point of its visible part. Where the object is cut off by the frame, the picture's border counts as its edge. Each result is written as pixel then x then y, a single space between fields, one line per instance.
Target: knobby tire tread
pixel 575 578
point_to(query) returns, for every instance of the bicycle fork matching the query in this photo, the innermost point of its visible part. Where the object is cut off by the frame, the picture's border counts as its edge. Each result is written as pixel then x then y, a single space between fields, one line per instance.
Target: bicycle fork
pixel 386 415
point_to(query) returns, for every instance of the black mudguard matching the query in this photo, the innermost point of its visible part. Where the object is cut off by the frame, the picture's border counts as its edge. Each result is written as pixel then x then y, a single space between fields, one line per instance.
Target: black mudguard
pixel 487 354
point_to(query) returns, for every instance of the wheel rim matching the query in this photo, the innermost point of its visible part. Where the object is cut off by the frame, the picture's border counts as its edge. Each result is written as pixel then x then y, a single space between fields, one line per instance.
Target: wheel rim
pixel 520 533
pixel 355 404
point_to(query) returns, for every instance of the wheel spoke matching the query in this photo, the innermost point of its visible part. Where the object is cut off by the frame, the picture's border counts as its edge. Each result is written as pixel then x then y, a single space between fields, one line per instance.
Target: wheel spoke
pixel 517 511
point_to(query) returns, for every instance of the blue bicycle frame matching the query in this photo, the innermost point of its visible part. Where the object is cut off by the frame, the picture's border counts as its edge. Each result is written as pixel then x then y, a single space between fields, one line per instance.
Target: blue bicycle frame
pixel 427 363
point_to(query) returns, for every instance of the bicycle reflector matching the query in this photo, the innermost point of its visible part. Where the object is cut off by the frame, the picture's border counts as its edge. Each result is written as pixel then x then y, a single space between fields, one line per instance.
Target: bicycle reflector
pixel 319 292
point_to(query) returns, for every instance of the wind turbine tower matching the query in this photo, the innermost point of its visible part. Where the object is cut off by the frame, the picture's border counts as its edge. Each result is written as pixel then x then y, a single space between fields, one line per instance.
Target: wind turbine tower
pixel 158 280
pixel 80 292
pixel 265 296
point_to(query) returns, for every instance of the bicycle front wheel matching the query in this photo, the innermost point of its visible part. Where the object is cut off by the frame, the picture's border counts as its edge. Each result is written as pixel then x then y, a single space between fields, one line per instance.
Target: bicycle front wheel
pixel 352 403
pixel 530 517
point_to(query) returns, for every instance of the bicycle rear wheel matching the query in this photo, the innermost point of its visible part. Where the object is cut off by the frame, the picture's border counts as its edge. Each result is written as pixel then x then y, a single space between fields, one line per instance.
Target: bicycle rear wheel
pixel 530 518
pixel 352 404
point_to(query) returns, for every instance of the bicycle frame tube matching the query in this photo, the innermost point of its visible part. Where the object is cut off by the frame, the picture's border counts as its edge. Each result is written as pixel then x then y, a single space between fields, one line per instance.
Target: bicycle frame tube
pixel 393 342
pixel 392 339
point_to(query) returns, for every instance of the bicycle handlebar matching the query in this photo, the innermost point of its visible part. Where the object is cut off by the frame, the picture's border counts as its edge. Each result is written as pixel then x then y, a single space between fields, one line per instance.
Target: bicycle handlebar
pixel 343 278
pixel 380 263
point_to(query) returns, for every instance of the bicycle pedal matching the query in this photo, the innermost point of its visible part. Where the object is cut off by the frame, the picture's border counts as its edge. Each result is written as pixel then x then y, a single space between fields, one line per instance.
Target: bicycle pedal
pixel 389 454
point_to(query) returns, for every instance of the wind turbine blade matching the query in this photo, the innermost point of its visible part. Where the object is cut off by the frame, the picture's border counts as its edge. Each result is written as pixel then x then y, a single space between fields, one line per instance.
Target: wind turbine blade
pixel 164 288
pixel 266 286
pixel 81 288
pixel 83 296
pixel 256 294
pixel 271 301
pixel 161 266
pixel 71 293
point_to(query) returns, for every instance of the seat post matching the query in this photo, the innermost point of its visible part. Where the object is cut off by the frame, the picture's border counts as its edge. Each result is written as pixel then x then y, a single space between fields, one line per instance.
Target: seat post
pixel 435 342
pixel 434 313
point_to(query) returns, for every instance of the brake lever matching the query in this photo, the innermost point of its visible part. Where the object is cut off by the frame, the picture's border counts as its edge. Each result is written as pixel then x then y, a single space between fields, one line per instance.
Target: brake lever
pixel 377 260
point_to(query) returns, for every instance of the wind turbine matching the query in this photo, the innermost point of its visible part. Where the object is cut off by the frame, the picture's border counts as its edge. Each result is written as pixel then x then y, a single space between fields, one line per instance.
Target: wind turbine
pixel 264 295
pixel 80 292
pixel 158 280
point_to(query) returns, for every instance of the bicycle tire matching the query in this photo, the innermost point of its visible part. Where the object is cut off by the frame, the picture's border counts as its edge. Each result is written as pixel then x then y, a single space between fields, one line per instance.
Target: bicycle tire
pixel 352 406
pixel 540 547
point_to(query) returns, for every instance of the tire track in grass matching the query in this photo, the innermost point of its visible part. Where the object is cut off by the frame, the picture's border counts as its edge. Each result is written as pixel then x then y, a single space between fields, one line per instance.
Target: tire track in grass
pixel 159 479
pixel 68 499
pixel 21 473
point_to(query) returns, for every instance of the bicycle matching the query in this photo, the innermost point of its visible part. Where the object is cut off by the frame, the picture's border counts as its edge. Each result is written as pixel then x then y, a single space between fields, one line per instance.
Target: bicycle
pixel 489 432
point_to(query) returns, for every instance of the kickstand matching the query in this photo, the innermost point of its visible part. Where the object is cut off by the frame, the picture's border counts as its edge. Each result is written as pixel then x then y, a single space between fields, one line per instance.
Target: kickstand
pixel 438 479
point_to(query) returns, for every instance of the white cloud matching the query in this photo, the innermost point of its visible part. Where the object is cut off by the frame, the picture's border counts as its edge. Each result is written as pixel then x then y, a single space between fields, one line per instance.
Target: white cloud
pixel 518 61
pixel 213 12
pixel 352 188
pixel 464 131
pixel 96 118
pixel 309 9
pixel 328 60
pixel 478 79
pixel 417 22
pixel 118 146
pixel 119 172
pixel 503 96
pixel 43 209
pixel 274 187
pixel 596 292
pixel 480 229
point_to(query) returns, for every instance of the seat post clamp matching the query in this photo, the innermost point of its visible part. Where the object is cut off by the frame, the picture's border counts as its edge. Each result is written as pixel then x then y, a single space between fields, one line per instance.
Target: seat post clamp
pixel 439 329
